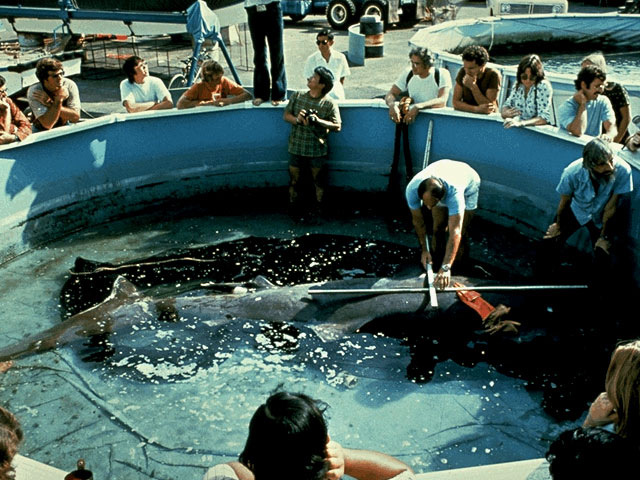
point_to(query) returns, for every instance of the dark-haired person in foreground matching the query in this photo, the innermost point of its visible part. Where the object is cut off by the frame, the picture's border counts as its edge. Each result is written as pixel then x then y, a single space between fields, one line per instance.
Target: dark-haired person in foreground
pixel 14 125
pixel 588 112
pixel 590 189
pixel 588 453
pixel 289 440
pixel 55 100
pixel 477 86
pixel 450 190
pixel 312 115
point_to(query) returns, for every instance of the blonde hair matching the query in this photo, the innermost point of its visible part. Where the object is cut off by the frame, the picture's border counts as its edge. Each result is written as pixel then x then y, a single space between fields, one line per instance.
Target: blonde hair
pixel 623 388
pixel 596 59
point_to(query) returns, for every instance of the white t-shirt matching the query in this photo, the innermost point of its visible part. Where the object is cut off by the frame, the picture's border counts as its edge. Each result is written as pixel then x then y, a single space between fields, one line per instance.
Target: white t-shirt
pixel 337 64
pixel 423 89
pixel 152 90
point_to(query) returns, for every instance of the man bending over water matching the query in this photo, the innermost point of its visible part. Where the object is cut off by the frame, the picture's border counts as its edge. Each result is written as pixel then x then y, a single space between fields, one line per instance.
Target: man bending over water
pixel 450 190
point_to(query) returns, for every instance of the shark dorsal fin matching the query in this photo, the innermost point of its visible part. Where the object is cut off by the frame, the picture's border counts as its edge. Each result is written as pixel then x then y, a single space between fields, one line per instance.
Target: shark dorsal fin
pixel 262 282
pixel 123 288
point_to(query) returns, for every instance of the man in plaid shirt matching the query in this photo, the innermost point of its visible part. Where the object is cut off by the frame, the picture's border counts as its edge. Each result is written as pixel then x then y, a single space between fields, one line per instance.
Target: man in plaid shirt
pixel 312 115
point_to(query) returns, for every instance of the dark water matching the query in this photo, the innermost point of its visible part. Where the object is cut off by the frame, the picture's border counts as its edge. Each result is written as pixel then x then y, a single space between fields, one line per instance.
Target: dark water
pixel 562 345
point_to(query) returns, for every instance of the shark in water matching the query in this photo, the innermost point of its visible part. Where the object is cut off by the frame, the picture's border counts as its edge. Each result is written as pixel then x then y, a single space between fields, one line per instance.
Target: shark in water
pixel 329 316
pixel 554 348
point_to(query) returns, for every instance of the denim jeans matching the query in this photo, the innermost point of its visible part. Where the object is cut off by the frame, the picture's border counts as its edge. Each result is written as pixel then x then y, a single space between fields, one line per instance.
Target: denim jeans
pixel 268 26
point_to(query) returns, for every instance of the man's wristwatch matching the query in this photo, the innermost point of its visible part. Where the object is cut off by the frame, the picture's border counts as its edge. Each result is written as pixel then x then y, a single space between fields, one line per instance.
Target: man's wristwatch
pixel 445 267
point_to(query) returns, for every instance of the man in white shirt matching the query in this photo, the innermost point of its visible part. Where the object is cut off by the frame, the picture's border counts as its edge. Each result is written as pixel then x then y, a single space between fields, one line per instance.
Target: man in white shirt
pixel 427 86
pixel 327 57
pixel 421 86
pixel 141 92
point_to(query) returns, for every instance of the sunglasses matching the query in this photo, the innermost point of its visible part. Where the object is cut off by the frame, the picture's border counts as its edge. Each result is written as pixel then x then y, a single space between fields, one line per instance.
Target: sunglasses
pixel 59 74
pixel 322 42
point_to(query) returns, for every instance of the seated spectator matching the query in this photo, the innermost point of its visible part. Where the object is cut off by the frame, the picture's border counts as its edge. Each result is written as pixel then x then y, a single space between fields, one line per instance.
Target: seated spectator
pixel 477 86
pixel 14 125
pixel 55 101
pixel 214 90
pixel 530 100
pixel 590 454
pixel 619 404
pixel 140 91
pixel 288 439
pixel 327 57
pixel 617 95
pixel 588 112
pixel 427 86
pixel 11 437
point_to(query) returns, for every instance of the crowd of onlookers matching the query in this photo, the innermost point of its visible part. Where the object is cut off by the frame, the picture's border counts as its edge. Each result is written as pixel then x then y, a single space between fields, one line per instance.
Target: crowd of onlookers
pixel 599 106
pixel 289 438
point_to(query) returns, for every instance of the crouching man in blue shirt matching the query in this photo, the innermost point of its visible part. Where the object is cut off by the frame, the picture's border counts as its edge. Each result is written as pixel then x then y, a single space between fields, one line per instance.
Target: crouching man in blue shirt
pixel 590 189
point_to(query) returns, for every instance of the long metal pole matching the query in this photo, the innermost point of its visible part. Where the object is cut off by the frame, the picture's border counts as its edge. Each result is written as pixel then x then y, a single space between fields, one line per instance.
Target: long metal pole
pixel 485 288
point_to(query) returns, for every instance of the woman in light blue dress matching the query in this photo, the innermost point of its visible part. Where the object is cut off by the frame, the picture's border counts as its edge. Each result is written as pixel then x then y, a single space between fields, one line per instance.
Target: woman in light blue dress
pixel 530 100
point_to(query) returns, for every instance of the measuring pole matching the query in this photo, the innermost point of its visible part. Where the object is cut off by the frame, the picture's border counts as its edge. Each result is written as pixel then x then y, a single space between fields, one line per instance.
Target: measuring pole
pixel 482 288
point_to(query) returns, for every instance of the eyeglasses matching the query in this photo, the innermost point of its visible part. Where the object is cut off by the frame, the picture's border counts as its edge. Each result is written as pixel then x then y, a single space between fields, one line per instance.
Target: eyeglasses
pixel 322 42
pixel 59 74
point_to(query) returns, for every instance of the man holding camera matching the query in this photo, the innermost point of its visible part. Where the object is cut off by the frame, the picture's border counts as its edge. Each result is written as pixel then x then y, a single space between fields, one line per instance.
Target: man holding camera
pixel 312 115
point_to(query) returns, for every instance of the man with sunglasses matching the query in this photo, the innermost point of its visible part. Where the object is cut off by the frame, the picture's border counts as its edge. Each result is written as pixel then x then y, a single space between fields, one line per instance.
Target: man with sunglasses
pixel 329 58
pixel 214 90
pixel 55 101
pixel 140 91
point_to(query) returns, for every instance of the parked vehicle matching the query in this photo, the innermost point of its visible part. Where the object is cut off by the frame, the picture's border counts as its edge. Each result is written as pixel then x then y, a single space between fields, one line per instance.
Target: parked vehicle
pixel 523 7
pixel 343 13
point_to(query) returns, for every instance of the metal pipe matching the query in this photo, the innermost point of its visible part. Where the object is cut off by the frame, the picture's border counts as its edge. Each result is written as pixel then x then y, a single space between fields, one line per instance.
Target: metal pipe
pixel 486 288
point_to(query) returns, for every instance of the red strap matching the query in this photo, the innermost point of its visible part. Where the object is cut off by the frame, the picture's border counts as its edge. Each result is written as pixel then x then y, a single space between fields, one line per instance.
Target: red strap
pixel 474 300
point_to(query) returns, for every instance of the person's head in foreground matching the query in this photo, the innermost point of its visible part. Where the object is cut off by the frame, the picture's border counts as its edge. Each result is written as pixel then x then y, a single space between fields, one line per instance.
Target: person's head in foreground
pixel 623 389
pixel 11 437
pixel 590 453
pixel 287 439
